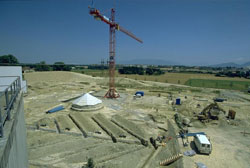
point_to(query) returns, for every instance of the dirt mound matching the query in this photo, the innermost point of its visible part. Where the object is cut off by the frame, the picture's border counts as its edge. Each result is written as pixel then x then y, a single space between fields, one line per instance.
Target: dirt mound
pixel 54 76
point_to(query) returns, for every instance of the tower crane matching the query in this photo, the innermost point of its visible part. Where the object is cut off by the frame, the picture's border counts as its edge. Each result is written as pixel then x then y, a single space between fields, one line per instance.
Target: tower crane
pixel 113 27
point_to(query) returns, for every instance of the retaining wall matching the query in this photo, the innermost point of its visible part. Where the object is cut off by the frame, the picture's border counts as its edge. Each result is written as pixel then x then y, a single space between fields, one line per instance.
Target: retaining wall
pixel 13 147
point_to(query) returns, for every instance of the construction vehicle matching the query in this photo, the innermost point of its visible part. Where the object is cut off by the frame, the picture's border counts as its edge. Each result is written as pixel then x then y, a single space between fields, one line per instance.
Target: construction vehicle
pixel 202 144
pixel 201 141
pixel 212 111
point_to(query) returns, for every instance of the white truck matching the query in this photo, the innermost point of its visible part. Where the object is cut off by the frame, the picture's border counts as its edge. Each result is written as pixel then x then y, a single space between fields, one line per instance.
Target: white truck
pixel 203 144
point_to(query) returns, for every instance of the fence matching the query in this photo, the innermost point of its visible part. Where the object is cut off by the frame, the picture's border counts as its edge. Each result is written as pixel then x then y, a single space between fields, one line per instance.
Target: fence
pixel 8 96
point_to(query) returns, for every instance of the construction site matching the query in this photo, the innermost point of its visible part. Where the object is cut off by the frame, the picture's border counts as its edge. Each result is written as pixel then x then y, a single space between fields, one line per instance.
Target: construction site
pixel 74 120
pixel 130 131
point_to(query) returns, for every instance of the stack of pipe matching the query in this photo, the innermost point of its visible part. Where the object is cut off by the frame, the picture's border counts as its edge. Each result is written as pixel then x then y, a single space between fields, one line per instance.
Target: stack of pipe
pixel 171 159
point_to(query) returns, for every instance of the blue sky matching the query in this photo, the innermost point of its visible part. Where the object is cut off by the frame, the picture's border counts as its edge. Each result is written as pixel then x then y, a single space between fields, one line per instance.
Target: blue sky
pixel 189 32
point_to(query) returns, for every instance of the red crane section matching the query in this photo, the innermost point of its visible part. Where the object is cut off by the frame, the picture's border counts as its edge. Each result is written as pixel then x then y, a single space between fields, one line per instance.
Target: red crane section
pixel 98 16
pixel 112 93
pixel 129 34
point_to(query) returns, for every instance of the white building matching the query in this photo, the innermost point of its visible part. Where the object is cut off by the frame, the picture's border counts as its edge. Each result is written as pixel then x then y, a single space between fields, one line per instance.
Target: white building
pixel 8 74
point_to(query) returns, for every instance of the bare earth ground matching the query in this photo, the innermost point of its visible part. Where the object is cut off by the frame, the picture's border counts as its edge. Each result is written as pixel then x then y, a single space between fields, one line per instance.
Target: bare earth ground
pixel 57 140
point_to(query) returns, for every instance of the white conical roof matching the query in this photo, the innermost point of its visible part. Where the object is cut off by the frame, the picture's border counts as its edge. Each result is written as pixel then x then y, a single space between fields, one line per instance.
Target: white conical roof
pixel 87 100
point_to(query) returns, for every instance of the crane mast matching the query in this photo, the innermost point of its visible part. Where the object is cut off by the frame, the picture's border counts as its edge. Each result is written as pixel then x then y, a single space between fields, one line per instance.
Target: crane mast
pixel 113 26
pixel 112 93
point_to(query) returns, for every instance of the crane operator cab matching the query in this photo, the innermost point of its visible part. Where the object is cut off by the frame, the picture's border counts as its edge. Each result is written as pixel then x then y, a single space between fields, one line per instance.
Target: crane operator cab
pixel 203 144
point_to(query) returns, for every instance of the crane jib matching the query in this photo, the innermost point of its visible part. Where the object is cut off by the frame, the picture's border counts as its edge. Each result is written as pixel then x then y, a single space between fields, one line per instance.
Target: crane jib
pixel 98 16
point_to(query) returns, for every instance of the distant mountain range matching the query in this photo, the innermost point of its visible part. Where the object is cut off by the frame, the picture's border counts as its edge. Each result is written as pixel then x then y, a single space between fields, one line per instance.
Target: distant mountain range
pixel 232 64
pixel 147 62
pixel 167 62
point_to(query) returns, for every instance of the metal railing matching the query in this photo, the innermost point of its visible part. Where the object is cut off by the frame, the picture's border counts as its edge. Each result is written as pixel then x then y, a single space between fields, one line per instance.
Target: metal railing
pixel 7 99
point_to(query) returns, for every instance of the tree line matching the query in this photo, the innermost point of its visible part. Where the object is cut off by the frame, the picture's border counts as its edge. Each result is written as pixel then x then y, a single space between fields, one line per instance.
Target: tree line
pixel 140 70
pixel 57 66
pixel 241 74
pixel 9 59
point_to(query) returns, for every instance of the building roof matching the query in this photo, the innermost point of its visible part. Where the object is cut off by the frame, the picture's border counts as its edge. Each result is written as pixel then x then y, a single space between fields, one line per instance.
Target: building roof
pixel 87 100
pixel 10 73
pixel 203 139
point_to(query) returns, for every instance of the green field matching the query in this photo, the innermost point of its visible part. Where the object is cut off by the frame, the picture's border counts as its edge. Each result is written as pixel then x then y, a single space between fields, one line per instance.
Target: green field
pixel 190 79
pixel 219 84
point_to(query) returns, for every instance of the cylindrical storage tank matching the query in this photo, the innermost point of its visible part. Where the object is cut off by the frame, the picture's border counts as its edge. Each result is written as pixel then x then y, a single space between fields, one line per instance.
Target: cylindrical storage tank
pixel 178 101
pixel 231 114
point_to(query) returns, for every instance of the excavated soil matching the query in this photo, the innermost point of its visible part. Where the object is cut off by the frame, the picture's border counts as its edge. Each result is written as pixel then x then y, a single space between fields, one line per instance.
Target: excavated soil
pixel 67 138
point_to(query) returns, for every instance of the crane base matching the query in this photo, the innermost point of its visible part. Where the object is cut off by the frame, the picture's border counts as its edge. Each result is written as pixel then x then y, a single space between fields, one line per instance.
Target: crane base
pixel 112 94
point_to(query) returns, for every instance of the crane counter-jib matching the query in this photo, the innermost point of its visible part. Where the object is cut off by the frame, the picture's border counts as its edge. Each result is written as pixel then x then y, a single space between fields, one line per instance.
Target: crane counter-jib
pixel 97 15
